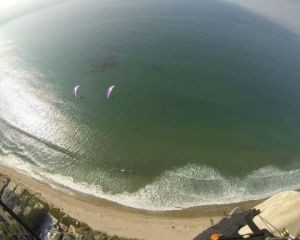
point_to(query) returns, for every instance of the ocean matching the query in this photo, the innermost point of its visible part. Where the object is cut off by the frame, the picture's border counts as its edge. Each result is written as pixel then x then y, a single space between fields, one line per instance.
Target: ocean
pixel 205 109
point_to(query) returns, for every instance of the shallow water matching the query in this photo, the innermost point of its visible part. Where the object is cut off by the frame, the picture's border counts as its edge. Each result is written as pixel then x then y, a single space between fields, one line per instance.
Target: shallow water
pixel 205 109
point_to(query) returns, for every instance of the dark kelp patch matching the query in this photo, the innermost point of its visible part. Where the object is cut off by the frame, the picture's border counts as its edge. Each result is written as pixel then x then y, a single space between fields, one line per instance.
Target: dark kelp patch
pixel 105 64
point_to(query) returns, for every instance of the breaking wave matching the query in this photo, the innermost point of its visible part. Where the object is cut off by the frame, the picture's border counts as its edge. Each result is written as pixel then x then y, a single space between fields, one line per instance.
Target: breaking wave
pixel 184 187
pixel 188 186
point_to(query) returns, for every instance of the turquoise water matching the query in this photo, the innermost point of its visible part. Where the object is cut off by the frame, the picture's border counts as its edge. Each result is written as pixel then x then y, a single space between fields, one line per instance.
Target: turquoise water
pixel 205 108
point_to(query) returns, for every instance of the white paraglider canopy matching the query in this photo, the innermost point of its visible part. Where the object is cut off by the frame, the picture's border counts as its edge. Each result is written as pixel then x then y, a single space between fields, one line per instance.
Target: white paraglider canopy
pixel 75 89
pixel 109 90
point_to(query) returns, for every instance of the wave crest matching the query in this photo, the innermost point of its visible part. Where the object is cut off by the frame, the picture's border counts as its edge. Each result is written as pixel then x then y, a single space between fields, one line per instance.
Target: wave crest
pixel 188 186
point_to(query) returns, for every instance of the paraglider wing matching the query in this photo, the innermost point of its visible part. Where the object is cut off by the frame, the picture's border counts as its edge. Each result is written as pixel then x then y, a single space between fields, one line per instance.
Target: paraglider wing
pixel 109 90
pixel 75 89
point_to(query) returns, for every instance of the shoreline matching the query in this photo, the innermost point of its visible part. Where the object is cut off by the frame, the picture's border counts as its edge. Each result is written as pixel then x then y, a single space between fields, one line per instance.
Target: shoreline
pixel 116 219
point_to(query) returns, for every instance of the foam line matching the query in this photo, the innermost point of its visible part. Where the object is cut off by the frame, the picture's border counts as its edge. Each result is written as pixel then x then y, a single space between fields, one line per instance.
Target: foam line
pixel 184 187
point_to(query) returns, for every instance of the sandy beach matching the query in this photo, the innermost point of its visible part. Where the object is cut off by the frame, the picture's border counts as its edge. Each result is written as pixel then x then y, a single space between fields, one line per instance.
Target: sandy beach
pixel 281 210
pixel 122 221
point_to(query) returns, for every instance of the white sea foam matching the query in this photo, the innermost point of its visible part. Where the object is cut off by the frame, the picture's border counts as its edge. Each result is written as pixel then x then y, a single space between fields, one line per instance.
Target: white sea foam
pixel 184 187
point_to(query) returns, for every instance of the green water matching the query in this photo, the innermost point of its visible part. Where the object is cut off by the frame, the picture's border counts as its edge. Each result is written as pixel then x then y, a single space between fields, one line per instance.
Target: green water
pixel 206 103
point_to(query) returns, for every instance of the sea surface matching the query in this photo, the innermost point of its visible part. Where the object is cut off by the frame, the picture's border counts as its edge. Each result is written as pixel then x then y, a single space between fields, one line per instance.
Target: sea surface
pixel 205 110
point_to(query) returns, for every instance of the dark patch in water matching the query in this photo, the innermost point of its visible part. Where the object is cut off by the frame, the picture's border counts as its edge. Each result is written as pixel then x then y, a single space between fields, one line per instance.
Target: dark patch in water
pixel 102 65
pixel 156 68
